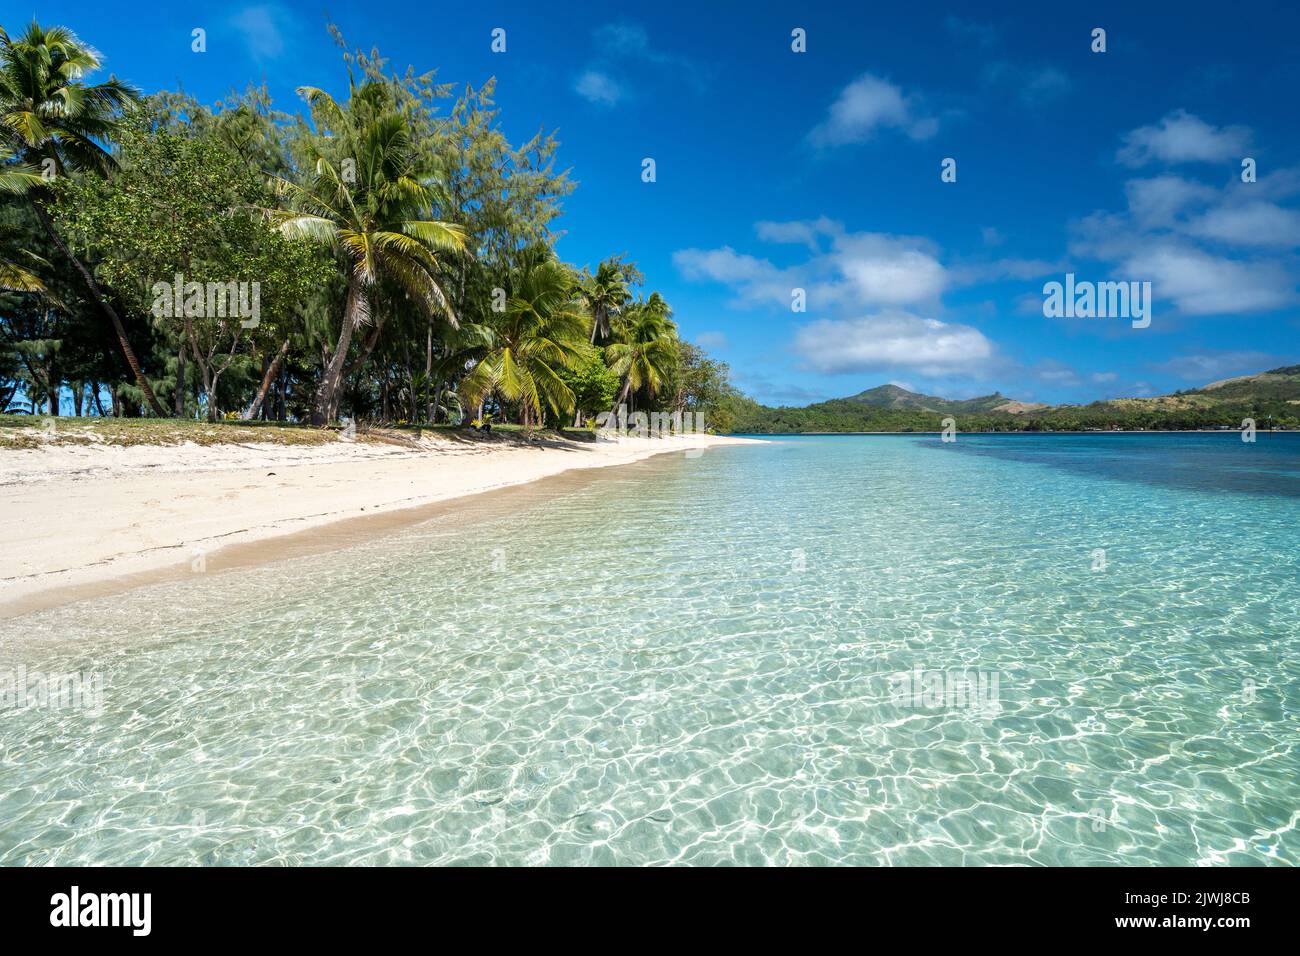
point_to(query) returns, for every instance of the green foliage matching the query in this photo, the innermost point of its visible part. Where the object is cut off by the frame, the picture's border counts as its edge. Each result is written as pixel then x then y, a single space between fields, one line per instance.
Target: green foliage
pixel 403 247
pixel 604 295
pixel 700 384
pixel 186 205
pixel 645 348
pixel 593 384
pixel 57 122
pixel 1271 399
pixel 540 333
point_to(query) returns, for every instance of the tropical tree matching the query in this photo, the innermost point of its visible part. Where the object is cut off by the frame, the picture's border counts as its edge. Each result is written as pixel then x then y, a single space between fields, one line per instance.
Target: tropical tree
pixel 183 204
pixel 16 180
pixel 594 386
pixel 368 200
pixel 60 125
pixel 541 332
pixel 604 295
pixel 507 197
pixel 702 385
pixel 645 352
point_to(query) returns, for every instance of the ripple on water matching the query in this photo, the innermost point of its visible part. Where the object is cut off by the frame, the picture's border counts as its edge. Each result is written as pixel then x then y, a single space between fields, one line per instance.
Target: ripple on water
pixel 690 661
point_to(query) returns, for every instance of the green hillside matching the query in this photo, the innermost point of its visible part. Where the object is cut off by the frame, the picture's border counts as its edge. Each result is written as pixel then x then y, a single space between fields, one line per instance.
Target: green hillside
pixel 1271 398
pixel 897 397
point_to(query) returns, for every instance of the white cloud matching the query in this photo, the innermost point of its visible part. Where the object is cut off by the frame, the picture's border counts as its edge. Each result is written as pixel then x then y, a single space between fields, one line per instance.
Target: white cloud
pixel 1252 224
pixel 724 265
pixel 869 283
pixel 808 233
pixel 1199 283
pixel 1160 200
pixel 623 50
pixel 1181 137
pixel 892 340
pixel 866 105
pixel 598 87
pixel 712 340
pixel 889 270
pixel 857 270
pixel 1179 233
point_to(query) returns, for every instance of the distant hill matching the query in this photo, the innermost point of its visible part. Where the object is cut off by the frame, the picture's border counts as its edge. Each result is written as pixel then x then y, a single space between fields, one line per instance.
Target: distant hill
pixel 1280 381
pixel 1279 385
pixel 894 396
pixel 1272 398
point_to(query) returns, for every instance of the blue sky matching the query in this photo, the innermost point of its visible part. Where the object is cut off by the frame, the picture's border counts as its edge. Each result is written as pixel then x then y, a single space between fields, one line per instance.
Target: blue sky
pixel 820 170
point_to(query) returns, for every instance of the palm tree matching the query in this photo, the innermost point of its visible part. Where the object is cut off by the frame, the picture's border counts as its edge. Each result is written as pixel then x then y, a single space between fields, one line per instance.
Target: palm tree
pixel 17 180
pixel 646 350
pixel 541 331
pixel 366 199
pixel 604 295
pixel 58 124
pixel 17 278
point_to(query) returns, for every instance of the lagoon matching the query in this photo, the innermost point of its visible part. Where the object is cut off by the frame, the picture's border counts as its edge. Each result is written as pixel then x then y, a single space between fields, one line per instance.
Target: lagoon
pixel 689 660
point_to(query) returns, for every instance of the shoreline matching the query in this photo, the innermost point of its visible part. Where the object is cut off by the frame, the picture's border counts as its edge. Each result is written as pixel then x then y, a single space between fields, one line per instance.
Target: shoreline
pixel 90 522
pixel 1021 431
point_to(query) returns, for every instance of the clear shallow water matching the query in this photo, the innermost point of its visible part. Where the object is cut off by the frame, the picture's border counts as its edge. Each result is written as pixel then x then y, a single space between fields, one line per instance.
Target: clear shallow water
pixel 689 660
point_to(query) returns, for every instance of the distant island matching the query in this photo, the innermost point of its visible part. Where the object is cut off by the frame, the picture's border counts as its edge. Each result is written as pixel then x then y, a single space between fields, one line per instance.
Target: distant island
pixel 1271 398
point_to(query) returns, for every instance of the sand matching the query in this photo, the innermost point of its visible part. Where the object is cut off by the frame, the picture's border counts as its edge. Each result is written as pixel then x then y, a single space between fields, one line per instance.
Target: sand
pixel 79 521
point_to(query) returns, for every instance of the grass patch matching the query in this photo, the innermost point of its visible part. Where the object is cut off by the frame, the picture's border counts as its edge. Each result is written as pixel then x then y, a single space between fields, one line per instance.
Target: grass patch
pixel 38 431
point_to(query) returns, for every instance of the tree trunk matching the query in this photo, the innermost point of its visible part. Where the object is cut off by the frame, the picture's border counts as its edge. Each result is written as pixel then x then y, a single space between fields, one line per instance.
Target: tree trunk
pixel 271 372
pixel 214 409
pixel 410 382
pixel 433 408
pixel 179 398
pixel 429 406
pixel 52 377
pixel 205 369
pixel 327 396
pixel 98 295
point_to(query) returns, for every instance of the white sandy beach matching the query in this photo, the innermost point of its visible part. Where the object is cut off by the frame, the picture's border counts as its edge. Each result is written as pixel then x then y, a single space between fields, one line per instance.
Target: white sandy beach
pixel 79 519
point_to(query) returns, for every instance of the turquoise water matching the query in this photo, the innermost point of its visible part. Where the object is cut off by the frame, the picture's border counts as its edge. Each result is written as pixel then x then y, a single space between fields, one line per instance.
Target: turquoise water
pixel 696 660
